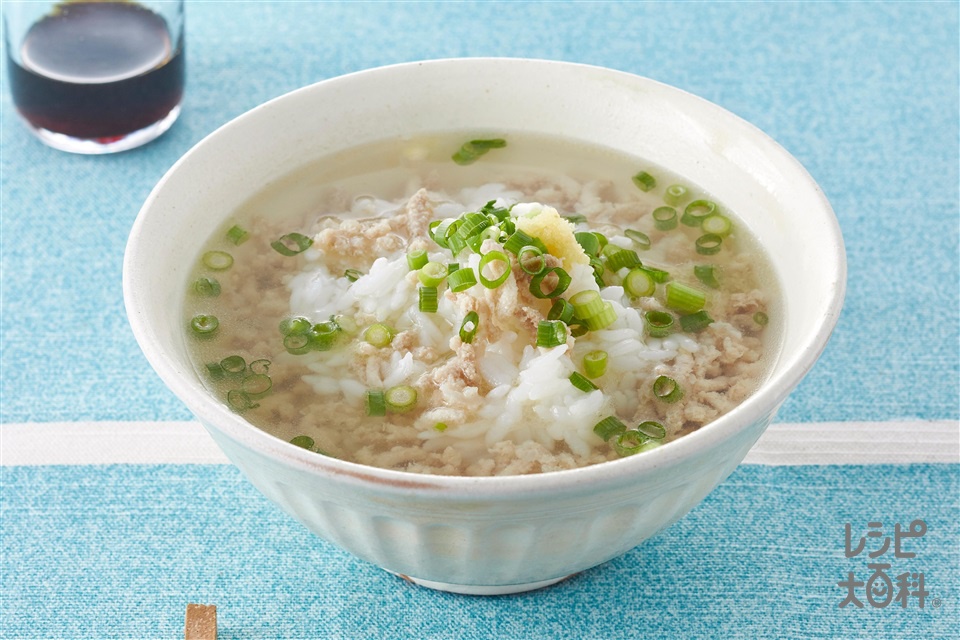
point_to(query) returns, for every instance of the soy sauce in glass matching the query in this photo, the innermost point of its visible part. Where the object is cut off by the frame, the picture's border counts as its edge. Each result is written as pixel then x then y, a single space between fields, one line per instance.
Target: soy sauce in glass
pixel 98 72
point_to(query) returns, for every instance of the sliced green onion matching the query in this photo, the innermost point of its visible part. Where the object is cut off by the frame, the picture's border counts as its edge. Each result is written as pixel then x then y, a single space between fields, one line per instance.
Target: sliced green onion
pixel 429 302
pixel 586 303
pixel 578 327
pixel 485 260
pixel 432 274
pixel 551 333
pixel 491 233
pixel 709 244
pixel 603 319
pixel 295 326
pixel 588 240
pixel 379 335
pixel 617 260
pixel 256 385
pixel 376 403
pixel 683 298
pixel 416 259
pixel 207 287
pixel 675 194
pixel 630 442
pixel 658 275
pixel 204 325
pixel 215 371
pixel 595 363
pixel 609 427
pixel 297 344
pixel 259 366
pixel 461 279
pixel 658 323
pixel 640 239
pixel 438 230
pixel 400 398
pixel 471 151
pixel 451 267
pixel 695 322
pixel 639 283
pixel 706 273
pixel 304 442
pixel 652 429
pixel 291 244
pixel 323 336
pixel 644 181
pixel 531 260
pixel 240 401
pixel 561 310
pixel 217 260
pixel 440 426
pixel 563 281
pixel 353 274
pixel 237 235
pixel 717 224
pixel 234 365
pixel 697 211
pixel 469 326
pixel 598 266
pixel 575 218
pixel 602 239
pixel 761 318
pixel 581 382
pixel 518 240
pixel 667 389
pixel 665 218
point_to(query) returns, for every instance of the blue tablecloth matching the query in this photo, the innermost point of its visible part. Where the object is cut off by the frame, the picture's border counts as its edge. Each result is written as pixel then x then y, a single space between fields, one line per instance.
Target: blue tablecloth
pixel 865 95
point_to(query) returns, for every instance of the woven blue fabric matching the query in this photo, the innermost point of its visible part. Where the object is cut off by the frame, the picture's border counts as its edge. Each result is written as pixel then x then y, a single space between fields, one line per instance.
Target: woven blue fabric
pixel 865 95
pixel 129 546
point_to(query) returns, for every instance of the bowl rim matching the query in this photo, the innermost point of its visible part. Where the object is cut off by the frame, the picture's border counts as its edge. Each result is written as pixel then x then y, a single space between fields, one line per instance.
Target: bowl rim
pixel 217 417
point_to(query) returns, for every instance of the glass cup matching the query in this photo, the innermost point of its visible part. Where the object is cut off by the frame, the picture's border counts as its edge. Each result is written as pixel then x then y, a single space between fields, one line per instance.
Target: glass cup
pixel 96 76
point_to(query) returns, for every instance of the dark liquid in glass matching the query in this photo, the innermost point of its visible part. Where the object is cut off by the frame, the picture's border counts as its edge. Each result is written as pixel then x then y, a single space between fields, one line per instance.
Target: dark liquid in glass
pixel 97 70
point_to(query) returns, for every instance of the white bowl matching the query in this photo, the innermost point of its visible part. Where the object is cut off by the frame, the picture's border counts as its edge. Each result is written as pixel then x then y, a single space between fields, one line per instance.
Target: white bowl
pixel 494 534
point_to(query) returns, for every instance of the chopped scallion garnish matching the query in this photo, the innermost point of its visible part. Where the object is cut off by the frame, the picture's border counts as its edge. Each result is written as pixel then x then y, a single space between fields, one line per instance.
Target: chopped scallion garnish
pixel 706 273
pixel 609 427
pixel 428 299
pixel 695 322
pixel 603 319
pixel 623 258
pixel 256 385
pixel 588 240
pixel 709 244
pixel 297 344
pixel 665 218
pixel 323 336
pixel 471 151
pixel 440 426
pixel 639 283
pixel 717 224
pixel 259 366
pixel 432 274
pixel 640 239
pixel 204 325
pixel 761 318
pixel 217 260
pixel 416 259
pixel 469 326
pixel 295 326
pixel 575 218
pixel 531 260
pixel 698 210
pixel 563 281
pixel 667 389
pixel 291 244
pixel 675 194
pixel 551 333
pixel 304 442
pixel 586 303
pixel 400 398
pixel 498 279
pixel 240 401
pixel 683 298
pixel 652 429
pixel 561 310
pixel 376 403
pixel 237 235
pixel 658 323
pixel 379 335
pixel 353 274
pixel 630 442
pixel 644 181
pixel 207 287
pixel 461 279
pixel 595 363
pixel 581 382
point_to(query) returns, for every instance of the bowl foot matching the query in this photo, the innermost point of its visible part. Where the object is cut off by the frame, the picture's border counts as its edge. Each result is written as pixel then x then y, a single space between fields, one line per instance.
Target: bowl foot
pixel 482 590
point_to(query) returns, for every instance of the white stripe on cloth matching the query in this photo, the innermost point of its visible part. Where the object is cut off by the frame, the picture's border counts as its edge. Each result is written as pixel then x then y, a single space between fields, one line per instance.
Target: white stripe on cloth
pixel 820 443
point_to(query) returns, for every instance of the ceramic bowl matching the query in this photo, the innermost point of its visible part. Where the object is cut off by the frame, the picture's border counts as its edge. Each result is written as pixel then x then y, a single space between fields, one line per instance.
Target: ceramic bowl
pixel 494 534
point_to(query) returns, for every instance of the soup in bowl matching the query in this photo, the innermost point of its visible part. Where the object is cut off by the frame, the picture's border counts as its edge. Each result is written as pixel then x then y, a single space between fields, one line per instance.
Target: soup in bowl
pixel 485 323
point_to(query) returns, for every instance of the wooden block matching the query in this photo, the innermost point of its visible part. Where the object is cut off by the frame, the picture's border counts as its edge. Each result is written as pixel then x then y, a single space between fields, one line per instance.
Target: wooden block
pixel 201 622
